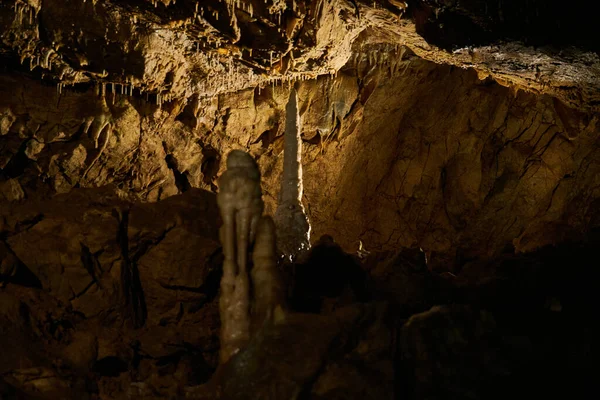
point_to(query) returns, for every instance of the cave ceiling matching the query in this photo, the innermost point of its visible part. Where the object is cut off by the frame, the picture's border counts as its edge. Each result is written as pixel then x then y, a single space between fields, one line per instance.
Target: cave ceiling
pixel 167 49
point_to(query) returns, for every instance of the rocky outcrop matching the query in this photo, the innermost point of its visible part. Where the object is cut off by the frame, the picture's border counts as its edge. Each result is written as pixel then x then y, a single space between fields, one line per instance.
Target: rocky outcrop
pixel 124 303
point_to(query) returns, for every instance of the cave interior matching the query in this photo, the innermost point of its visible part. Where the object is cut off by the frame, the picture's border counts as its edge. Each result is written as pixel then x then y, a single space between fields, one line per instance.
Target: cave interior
pixel 294 199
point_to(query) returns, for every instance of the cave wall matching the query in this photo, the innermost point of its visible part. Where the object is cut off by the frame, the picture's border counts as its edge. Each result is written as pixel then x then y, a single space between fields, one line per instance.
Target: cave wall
pixel 93 284
pixel 398 151
pixel 115 117
pixel 437 158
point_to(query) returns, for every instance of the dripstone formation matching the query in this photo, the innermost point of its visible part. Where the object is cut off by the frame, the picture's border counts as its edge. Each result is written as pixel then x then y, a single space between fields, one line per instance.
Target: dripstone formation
pixel 431 169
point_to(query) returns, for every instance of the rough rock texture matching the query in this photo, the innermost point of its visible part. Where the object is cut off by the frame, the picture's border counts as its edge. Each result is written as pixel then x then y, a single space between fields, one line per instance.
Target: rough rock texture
pixel 398 151
pixel 125 304
pixel 121 286
pixel 422 173
pixel 145 323
pixel 478 168
pixel 170 49
pixel 451 135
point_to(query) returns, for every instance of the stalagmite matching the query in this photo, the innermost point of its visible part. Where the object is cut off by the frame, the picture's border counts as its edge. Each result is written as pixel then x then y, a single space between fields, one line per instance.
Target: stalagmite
pixel 268 288
pixel 244 228
pixel 241 205
pixel 293 228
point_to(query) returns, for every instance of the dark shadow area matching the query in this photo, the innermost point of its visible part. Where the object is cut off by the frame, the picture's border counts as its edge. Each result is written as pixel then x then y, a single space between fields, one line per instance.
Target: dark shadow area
pixel 518 326
pixel 457 24
pixel 110 366
pixel 327 274
pixel 376 326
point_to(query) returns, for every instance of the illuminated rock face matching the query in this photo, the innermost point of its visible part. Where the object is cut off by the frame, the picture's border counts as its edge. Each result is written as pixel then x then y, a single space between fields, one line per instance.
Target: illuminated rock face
pixel 480 168
pixel 455 136
pixel 173 51
pixel 151 96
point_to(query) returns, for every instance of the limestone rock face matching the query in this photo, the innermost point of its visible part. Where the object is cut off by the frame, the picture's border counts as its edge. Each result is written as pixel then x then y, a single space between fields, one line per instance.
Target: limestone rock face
pixel 124 302
pixel 423 174
pixel 169 50
pixel 146 322
pixel 437 136
pixel 410 154
pixel 398 151
pixel 63 244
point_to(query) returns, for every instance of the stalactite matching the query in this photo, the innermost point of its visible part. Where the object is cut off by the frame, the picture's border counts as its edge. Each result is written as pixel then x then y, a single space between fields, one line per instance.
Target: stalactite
pixel 47 59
